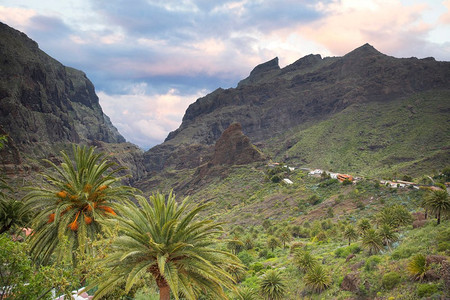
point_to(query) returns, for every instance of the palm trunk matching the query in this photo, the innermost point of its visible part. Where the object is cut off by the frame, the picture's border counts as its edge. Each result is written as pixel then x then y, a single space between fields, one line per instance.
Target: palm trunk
pixel 439 217
pixel 164 293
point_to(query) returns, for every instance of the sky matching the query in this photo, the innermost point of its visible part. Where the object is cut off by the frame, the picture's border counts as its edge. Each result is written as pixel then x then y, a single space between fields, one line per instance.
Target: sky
pixel 150 59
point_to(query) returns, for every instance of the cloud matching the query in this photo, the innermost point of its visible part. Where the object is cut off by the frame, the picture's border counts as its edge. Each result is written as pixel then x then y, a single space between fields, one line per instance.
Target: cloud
pixel 146 119
pixel 390 26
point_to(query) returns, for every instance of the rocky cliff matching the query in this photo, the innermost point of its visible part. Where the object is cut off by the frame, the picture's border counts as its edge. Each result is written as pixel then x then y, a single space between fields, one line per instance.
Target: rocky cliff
pixel 44 105
pixel 273 101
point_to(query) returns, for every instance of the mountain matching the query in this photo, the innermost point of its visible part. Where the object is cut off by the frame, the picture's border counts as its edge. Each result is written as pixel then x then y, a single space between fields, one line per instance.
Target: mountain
pixel 44 106
pixel 307 114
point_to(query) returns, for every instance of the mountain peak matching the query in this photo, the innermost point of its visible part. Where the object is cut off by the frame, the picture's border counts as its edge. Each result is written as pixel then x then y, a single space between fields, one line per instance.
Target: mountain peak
pixel 261 71
pixel 364 50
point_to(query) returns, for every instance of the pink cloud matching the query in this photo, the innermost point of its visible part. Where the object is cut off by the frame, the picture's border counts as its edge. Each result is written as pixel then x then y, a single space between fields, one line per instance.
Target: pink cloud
pixel 388 25
pixel 18 18
pixel 445 17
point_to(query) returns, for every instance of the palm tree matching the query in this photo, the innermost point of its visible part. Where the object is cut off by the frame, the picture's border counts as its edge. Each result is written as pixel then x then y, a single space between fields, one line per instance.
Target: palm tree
pixel 285 236
pixel 273 242
pixel 418 267
pixel 363 225
pixel 372 241
pixel 13 213
pixel 246 293
pixel 317 279
pixel 272 285
pixel 350 233
pixel 387 235
pixel 71 203
pixel 304 260
pixel 438 203
pixel 165 240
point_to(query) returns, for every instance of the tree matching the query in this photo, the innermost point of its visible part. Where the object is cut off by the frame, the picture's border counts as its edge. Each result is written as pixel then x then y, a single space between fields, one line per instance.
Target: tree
pixel 235 245
pixel 165 240
pixel 418 267
pixel 13 213
pixel 285 236
pixel 350 233
pixel 317 278
pixel 273 242
pixel 437 202
pixel 272 285
pixel 363 225
pixel 18 278
pixel 372 241
pixel 394 216
pixel 387 235
pixel 304 260
pixel 71 203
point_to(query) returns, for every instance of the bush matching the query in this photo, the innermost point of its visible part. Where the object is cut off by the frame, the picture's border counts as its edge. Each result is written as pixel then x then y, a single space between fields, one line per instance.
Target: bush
pixel 390 280
pixel 317 279
pixel 427 289
pixel 313 200
pixel 257 266
pixel 246 258
pixel 371 263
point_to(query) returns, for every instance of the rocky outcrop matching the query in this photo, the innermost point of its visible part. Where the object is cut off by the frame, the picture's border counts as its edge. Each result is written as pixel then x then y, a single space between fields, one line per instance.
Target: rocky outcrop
pixel 234 148
pixel 44 106
pixel 273 101
pixel 42 101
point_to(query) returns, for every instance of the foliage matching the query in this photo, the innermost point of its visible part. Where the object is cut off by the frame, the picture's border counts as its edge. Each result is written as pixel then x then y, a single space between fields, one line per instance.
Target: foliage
pixel 13 213
pixel 285 236
pixel 438 202
pixel 363 225
pixel 350 233
pixel 19 279
pixel 387 235
pixel 235 245
pixel 394 216
pixel 272 285
pixel 72 202
pixel 372 241
pixel 304 260
pixel 390 280
pixel 166 240
pixel 273 242
pixel 417 267
pixel 426 289
pixel 317 278
pixel 246 293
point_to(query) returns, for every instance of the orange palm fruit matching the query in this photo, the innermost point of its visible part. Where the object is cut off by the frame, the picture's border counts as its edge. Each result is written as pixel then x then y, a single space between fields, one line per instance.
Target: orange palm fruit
pixel 87 219
pixel 103 187
pixel 108 209
pixel 51 218
pixel 87 188
pixel 74 225
pixel 62 194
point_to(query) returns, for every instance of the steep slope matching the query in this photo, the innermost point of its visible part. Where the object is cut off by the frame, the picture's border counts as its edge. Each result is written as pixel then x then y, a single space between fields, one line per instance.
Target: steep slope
pixel 44 106
pixel 274 102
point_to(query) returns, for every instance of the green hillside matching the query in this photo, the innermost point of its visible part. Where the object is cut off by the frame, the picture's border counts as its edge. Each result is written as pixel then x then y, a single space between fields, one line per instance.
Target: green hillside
pixel 406 136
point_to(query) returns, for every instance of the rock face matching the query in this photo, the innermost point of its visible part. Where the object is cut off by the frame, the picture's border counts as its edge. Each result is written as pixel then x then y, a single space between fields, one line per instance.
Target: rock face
pixel 43 101
pixel 272 101
pixel 234 148
pixel 44 105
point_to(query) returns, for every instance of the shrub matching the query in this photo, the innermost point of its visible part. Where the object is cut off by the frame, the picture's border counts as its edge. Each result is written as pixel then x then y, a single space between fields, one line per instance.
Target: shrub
pixel 427 289
pixel 257 266
pixel 246 258
pixel 313 200
pixel 317 279
pixel 304 260
pixel 390 280
pixel 272 285
pixel 417 267
pixel 371 263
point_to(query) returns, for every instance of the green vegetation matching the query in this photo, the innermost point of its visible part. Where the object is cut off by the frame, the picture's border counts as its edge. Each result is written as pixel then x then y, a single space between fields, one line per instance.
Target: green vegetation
pixel 164 239
pixel 72 203
pixel 240 236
